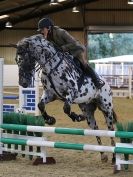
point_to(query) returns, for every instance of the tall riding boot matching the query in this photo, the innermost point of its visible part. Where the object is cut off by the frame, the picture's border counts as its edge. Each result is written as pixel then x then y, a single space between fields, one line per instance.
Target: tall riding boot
pixel 95 78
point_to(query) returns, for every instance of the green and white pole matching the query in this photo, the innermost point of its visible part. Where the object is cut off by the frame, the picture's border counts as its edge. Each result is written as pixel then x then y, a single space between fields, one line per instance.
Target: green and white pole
pixel 72 131
pixel 63 145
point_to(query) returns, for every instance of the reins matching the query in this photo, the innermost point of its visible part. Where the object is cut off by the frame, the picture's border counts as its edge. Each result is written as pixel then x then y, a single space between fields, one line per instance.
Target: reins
pixel 49 74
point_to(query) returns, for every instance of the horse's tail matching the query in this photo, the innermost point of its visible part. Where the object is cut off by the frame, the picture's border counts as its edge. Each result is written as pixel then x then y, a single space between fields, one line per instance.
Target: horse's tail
pixel 115 120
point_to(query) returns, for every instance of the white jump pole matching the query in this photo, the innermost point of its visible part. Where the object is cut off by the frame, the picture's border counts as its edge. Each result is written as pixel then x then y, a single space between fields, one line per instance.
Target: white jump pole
pixel 37 94
pixel 1 98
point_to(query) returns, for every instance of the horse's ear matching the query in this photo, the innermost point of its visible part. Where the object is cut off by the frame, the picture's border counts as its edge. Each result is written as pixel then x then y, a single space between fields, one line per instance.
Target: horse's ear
pixel 13 45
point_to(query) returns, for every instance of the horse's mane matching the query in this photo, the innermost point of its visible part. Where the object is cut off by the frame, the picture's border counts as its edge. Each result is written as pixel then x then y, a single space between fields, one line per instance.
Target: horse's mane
pixel 39 39
pixel 30 38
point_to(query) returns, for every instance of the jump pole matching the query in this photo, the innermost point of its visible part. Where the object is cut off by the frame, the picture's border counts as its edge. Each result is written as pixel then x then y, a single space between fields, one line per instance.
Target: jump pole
pixel 63 145
pixel 72 131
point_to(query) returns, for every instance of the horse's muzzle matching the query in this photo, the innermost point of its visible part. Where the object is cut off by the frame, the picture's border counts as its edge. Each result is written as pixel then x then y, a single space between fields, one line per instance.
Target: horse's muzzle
pixel 24 83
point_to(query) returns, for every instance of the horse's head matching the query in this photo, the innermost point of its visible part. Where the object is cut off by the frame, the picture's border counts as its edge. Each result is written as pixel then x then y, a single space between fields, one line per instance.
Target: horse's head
pixel 32 50
pixel 26 63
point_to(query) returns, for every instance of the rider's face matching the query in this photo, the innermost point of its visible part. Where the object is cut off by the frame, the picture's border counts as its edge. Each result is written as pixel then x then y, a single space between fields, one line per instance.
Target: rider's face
pixel 44 31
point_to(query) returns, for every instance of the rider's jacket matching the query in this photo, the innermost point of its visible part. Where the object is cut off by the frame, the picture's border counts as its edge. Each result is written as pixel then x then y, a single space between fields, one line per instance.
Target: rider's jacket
pixel 64 40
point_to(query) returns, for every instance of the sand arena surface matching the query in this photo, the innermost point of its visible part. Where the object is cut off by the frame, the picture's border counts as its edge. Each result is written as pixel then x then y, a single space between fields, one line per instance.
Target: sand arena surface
pixel 71 163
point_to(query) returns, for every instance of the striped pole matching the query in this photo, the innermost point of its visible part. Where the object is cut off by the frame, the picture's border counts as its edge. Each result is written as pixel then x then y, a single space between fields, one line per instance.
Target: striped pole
pixel 72 131
pixel 63 145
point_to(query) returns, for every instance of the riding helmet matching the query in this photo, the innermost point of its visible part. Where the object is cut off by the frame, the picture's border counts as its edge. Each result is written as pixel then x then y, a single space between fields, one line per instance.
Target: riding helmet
pixel 45 23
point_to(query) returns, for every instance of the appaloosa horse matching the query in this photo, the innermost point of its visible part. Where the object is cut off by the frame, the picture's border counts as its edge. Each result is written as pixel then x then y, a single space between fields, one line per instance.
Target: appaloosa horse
pixel 63 79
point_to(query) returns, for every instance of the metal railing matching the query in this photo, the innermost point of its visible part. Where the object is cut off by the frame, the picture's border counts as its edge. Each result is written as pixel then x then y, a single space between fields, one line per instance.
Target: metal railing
pixel 117 81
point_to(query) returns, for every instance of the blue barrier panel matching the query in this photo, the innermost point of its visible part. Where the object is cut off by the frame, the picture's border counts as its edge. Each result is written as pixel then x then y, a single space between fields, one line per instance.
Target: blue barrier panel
pixel 10 97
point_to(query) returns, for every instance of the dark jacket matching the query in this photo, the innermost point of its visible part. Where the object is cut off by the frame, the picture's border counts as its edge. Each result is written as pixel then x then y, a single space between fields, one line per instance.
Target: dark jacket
pixel 63 39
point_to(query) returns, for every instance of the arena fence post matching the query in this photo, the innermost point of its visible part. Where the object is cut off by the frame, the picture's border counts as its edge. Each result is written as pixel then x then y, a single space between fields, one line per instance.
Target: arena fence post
pixel 1 98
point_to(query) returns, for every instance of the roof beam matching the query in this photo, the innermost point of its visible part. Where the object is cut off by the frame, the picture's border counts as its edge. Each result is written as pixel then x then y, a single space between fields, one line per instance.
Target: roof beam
pixel 34 29
pixel 108 9
pixel 23 7
pixel 57 8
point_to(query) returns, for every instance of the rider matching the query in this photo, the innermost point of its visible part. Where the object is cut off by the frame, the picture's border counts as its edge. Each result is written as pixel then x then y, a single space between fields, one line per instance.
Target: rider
pixel 67 43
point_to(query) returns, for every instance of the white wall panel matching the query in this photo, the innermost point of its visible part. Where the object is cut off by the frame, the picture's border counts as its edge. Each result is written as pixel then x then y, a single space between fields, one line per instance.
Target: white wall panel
pixel 10 75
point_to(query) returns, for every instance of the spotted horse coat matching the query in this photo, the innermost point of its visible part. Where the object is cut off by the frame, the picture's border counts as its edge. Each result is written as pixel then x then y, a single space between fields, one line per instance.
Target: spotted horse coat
pixel 63 79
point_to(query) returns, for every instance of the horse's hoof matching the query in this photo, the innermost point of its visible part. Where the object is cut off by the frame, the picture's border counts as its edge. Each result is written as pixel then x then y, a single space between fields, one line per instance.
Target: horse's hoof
pixel 72 116
pixel 115 169
pixel 76 117
pixel 50 121
pixel 104 158
pixel 113 160
pixel 82 118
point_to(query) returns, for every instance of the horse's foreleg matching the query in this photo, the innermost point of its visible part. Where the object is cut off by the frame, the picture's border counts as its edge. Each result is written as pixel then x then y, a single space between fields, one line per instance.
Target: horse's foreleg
pixel 46 98
pixel 67 109
pixel 68 101
pixel 88 111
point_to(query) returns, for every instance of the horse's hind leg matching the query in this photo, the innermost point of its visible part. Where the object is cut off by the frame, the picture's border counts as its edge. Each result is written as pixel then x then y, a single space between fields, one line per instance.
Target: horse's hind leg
pixel 88 110
pixel 106 106
pixel 111 118
pixel 46 98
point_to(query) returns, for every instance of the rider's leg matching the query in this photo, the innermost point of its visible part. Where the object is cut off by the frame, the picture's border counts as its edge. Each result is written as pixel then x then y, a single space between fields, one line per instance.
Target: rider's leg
pixel 89 71
pixel 95 78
